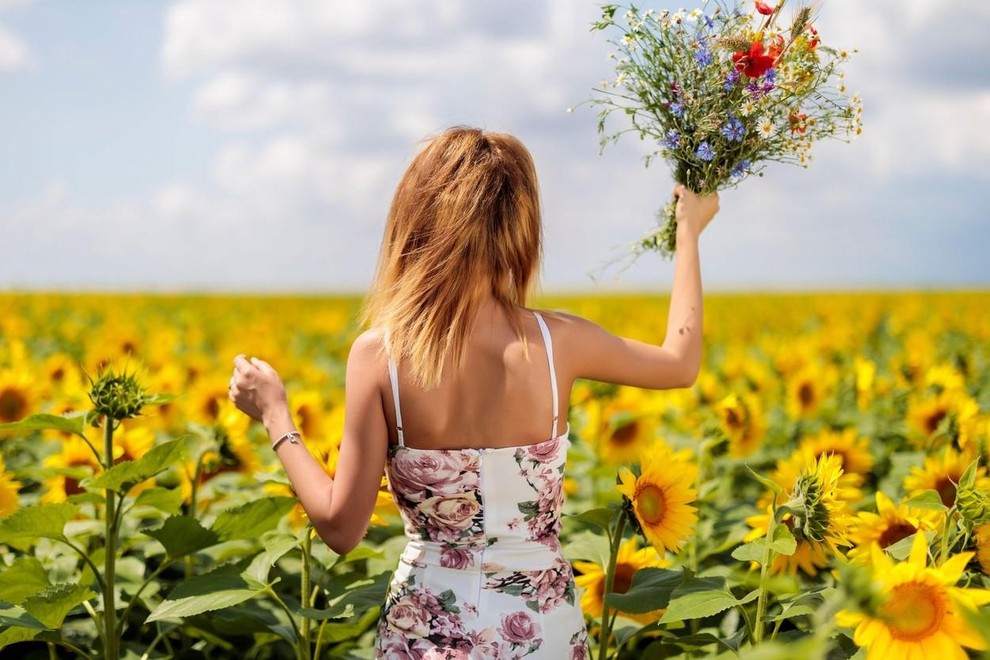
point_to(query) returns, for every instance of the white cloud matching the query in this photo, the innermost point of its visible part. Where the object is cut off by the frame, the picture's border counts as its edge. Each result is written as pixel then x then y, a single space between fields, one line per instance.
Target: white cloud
pixel 320 106
pixel 14 53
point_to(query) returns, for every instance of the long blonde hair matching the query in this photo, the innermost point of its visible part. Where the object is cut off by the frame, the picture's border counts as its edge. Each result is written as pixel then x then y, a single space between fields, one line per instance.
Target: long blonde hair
pixel 464 223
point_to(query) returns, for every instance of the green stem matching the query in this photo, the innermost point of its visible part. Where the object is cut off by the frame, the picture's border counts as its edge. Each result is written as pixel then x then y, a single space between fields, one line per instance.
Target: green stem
pixel 89 562
pixel 944 553
pixel 134 599
pixel 761 601
pixel 194 493
pixel 111 641
pixel 288 612
pixel 305 593
pixel 606 631
pixel 72 647
pixel 161 634
pixel 319 638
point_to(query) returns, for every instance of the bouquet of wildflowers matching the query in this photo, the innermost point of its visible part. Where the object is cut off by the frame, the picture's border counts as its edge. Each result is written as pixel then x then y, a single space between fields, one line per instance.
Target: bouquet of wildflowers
pixel 722 91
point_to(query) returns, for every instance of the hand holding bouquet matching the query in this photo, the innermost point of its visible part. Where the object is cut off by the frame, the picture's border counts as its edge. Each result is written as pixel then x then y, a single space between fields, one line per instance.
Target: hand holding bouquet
pixel 721 92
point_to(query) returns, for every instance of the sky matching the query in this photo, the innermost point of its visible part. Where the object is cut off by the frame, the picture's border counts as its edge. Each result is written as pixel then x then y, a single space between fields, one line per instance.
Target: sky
pixel 254 145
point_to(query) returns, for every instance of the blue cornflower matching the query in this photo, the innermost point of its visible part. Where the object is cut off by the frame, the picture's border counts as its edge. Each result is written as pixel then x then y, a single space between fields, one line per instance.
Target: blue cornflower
pixel 733 130
pixel 705 152
pixel 731 80
pixel 673 139
pixel 677 109
pixel 702 56
pixel 708 22
pixel 740 169
pixel 770 76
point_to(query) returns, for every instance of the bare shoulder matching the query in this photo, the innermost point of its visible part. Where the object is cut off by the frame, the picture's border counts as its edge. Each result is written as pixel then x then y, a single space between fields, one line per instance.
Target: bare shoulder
pixel 368 351
pixel 566 326
pixel 573 337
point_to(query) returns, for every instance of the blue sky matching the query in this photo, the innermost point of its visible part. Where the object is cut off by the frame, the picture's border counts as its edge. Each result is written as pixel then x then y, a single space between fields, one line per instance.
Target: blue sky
pixel 235 145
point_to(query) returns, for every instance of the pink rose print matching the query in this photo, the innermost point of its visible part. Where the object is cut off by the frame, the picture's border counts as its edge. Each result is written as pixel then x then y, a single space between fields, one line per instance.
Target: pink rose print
pixel 544 452
pixel 459 558
pixel 409 616
pixel 418 474
pixel 518 627
pixel 451 515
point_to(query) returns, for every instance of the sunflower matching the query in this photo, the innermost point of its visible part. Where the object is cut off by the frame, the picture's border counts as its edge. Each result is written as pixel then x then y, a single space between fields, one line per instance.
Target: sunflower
pixel 925 415
pixel 820 523
pixel 743 422
pixel 788 470
pixel 131 442
pixel 74 461
pixel 308 411
pixel 941 473
pixel 629 559
pixel 971 426
pixel 62 373
pixel 805 392
pixel 17 395
pixel 624 428
pixel 888 525
pixel 945 378
pixel 853 452
pixel 921 613
pixel 866 372
pixel 983 547
pixel 662 494
pixel 206 398
pixel 740 364
pixel 170 379
pixel 9 488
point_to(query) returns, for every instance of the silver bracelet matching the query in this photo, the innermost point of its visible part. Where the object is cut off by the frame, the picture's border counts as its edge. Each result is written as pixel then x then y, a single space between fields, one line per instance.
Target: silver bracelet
pixel 291 436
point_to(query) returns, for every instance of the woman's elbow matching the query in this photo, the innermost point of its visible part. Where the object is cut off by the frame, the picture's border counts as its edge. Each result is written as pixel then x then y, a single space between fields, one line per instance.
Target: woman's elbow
pixel 685 374
pixel 339 538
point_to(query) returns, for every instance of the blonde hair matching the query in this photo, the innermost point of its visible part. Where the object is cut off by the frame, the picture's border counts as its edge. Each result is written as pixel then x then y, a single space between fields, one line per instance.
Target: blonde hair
pixel 464 223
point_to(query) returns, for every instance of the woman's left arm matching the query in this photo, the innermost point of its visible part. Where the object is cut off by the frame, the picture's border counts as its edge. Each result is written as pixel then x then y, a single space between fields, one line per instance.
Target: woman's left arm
pixel 339 508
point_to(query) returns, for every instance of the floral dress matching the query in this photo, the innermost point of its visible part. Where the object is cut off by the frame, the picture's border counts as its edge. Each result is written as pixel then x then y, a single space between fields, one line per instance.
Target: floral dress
pixel 482 575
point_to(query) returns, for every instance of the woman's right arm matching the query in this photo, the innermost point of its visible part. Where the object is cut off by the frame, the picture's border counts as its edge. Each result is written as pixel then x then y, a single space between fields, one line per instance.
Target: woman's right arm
pixel 600 355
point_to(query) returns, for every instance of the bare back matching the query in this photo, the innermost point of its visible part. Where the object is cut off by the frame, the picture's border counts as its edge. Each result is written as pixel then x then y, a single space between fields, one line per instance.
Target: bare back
pixel 498 398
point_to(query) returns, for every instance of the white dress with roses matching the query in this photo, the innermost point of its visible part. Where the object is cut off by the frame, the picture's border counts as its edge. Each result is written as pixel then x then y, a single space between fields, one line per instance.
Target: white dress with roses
pixel 483 575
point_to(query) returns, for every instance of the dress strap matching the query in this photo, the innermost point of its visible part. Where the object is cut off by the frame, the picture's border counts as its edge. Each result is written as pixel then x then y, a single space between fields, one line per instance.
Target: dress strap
pixel 393 376
pixel 545 331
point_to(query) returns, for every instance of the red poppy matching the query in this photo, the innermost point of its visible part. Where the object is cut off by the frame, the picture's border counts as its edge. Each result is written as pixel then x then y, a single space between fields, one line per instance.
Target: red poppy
pixel 754 63
pixel 776 47
pixel 763 8
pixel 813 39
pixel 798 122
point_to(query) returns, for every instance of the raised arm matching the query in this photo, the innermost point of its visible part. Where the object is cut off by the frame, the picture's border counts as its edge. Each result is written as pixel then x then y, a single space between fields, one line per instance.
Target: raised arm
pixel 600 355
pixel 339 508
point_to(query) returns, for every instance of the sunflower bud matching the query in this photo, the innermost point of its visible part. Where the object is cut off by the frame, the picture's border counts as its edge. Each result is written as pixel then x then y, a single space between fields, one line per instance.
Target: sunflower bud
pixel 974 505
pixel 118 396
pixel 813 504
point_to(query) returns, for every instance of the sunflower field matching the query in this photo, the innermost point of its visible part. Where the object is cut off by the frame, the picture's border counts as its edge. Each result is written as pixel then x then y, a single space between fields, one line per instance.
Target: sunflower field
pixel 821 492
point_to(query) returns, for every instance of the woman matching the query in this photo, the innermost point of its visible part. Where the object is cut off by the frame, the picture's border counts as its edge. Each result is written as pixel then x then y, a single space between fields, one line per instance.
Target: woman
pixel 455 391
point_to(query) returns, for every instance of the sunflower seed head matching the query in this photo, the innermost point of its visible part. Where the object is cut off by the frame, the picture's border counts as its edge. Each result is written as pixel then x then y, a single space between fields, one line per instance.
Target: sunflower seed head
pixel 118 396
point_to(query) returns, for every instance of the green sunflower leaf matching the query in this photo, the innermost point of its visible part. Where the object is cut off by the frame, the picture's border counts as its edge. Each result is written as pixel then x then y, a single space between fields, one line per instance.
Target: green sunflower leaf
pixel 650 590
pixel 930 500
pixel 124 476
pixel 696 598
pixel 205 593
pixel 74 423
